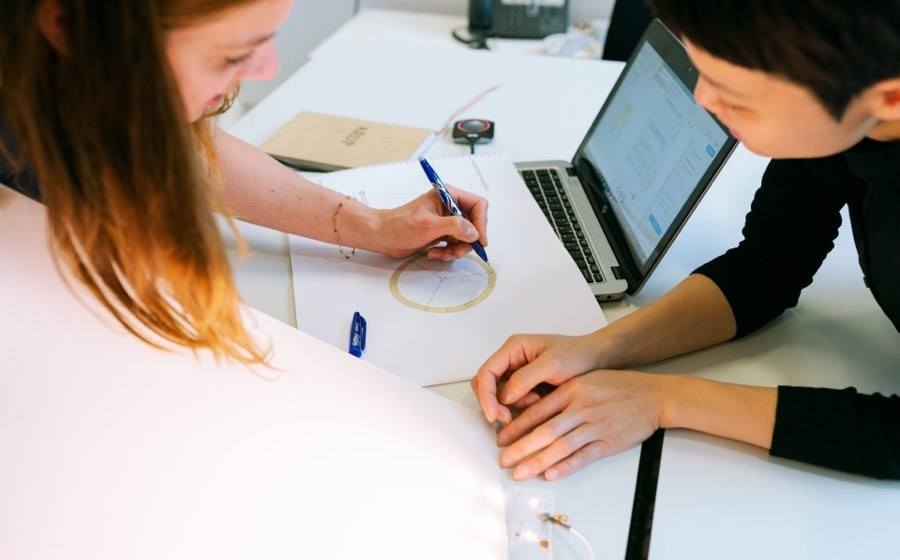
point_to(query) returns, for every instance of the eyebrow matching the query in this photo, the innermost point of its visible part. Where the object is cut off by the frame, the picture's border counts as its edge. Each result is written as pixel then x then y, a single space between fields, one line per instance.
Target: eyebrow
pixel 722 86
pixel 254 42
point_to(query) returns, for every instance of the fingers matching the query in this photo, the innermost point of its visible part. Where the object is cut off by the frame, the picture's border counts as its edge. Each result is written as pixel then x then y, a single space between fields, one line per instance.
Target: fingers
pixel 484 384
pixel 527 378
pixel 597 415
pixel 530 419
pixel 453 228
pixel 423 222
pixel 526 401
pixel 560 448
pixel 458 231
pixel 459 228
pixel 504 416
pixel 583 457
pixel 513 354
pixel 485 390
pixel 450 251
pixel 475 208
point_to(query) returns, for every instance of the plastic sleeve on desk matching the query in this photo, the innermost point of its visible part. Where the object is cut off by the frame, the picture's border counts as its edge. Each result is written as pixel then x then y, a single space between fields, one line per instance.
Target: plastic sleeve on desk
pixel 839 429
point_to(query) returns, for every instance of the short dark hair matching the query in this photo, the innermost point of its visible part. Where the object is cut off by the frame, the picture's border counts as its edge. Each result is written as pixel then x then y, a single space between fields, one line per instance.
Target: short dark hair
pixel 835 48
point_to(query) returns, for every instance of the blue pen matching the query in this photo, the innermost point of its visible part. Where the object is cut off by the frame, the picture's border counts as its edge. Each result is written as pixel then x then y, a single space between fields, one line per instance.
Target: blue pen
pixel 449 203
pixel 357 335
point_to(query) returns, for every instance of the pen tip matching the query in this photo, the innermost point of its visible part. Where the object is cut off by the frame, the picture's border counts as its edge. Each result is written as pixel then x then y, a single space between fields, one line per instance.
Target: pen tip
pixel 479 250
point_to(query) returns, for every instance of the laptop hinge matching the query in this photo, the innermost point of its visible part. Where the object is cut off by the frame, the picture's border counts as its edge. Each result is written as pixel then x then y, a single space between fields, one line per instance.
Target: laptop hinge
pixel 571 171
pixel 617 272
pixel 593 187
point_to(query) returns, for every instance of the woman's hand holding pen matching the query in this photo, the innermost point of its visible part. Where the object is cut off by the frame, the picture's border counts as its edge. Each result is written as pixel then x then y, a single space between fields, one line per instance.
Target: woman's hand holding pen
pixel 423 222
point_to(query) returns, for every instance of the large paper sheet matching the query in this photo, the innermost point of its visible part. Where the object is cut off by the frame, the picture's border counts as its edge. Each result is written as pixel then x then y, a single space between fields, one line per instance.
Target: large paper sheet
pixel 111 449
pixel 435 322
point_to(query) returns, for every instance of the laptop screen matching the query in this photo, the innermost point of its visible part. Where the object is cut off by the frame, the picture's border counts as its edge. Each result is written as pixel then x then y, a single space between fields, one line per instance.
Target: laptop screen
pixel 651 147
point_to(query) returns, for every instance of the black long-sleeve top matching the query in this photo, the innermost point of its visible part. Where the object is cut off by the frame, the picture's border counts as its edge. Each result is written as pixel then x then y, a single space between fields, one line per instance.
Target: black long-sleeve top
pixel 791 227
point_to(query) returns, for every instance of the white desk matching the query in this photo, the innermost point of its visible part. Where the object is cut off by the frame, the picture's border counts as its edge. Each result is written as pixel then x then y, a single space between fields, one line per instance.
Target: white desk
pixel 536 119
pixel 715 498
pixel 720 499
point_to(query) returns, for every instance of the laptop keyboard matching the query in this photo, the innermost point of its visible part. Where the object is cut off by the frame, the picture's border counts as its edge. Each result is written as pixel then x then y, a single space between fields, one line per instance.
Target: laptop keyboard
pixel 546 188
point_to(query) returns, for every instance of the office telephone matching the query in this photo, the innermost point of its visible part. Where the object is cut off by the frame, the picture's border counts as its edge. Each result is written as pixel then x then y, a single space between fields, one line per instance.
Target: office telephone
pixel 518 19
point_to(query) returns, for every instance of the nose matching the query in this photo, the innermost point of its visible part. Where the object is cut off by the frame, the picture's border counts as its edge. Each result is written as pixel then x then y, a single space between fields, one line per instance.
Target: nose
pixel 263 65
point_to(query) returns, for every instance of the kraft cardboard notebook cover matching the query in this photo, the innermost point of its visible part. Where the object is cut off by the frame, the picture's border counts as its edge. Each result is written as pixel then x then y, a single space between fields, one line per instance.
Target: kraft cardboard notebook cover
pixel 320 142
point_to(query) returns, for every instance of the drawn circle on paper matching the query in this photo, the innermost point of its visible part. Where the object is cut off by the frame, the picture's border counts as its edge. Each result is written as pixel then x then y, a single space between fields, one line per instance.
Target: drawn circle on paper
pixel 436 286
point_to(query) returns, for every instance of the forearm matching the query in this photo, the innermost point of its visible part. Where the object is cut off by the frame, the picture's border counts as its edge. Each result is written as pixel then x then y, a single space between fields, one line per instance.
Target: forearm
pixel 693 315
pixel 260 190
pixel 739 412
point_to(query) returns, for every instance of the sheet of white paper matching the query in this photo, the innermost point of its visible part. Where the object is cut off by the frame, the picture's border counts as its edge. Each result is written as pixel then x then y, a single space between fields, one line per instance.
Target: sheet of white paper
pixel 112 449
pixel 536 287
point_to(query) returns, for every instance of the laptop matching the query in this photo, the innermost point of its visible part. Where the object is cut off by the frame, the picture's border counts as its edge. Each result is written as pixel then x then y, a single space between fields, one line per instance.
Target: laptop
pixel 646 161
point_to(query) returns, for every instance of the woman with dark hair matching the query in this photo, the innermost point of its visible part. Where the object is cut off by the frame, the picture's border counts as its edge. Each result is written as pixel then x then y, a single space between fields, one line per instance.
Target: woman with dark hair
pixel 816 86
pixel 105 113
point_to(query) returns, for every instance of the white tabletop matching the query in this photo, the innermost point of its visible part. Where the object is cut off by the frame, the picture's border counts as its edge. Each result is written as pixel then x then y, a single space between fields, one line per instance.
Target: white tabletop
pixel 836 337
pixel 720 499
pixel 542 109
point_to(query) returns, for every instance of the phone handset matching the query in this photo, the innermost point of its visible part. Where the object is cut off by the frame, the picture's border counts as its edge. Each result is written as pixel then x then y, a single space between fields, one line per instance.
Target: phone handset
pixel 481 16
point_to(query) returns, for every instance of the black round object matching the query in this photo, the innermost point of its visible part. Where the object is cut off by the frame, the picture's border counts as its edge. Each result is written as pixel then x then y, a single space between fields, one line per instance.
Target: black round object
pixel 474 125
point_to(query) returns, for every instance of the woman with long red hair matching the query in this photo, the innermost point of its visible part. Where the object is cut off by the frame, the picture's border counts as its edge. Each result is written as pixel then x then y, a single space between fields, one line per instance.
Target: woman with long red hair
pixel 105 113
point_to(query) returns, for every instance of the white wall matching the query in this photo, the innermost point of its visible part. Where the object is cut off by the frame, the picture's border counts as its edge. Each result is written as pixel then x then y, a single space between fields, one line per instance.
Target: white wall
pixel 307 25
pixel 313 20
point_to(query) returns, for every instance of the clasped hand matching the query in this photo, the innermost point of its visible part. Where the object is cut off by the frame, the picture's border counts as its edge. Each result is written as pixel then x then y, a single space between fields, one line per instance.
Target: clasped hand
pixel 584 417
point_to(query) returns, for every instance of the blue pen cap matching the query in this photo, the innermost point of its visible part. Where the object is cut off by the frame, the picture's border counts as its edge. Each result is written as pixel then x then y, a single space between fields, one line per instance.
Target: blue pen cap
pixel 357 335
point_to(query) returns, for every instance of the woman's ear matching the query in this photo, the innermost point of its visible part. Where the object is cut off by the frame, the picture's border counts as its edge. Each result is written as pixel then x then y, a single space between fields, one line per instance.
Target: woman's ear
pixel 50 20
pixel 886 100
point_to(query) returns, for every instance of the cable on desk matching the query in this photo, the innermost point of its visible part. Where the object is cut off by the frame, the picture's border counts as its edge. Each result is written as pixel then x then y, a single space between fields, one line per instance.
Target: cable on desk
pixel 562 520
pixel 468 106
pixel 473 41
pixel 443 130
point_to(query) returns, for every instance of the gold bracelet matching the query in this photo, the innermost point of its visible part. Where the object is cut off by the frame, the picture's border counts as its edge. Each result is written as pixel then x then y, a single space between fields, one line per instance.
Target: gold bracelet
pixel 338 235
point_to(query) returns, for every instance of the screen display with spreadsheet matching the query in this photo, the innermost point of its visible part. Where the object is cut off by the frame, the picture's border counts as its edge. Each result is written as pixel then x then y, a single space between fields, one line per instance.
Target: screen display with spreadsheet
pixel 651 147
